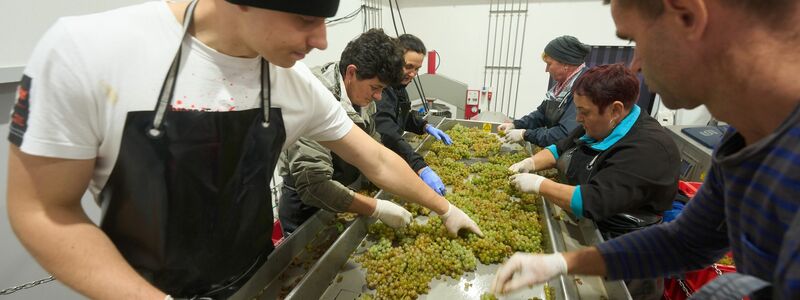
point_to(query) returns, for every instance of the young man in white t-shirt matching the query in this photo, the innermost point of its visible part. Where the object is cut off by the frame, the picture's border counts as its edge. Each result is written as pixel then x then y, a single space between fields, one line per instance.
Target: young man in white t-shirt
pixel 175 143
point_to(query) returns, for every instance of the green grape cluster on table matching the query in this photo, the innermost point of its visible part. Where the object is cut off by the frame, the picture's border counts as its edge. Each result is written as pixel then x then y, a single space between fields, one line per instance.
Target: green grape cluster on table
pixel 488 296
pixel 402 262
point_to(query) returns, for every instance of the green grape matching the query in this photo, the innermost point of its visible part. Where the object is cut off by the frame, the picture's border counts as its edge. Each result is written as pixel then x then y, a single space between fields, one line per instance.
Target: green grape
pixel 549 292
pixel 402 262
pixel 488 296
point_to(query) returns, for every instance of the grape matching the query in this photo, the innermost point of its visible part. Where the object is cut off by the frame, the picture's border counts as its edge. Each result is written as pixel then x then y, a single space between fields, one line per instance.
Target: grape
pixel 402 262
pixel 549 292
pixel 488 296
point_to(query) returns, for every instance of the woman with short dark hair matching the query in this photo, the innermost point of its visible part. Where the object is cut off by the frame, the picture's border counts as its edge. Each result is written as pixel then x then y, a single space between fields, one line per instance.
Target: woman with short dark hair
pixel 620 168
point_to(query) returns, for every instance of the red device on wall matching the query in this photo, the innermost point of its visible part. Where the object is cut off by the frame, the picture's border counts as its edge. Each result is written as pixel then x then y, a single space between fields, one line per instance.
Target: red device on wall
pixel 471 108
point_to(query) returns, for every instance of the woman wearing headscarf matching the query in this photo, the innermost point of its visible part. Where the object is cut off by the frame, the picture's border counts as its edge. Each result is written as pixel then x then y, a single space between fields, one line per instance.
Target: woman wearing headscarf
pixel 555 117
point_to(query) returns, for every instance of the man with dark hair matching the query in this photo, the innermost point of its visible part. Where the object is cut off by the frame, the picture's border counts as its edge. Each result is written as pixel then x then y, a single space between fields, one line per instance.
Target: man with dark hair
pixel 174 121
pixel 315 178
pixel 411 42
pixel 692 52
pixel 394 116
pixel 555 117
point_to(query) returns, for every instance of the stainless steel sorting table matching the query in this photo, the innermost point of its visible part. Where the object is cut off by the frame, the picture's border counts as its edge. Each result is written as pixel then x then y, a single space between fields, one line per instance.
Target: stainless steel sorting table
pixel 335 275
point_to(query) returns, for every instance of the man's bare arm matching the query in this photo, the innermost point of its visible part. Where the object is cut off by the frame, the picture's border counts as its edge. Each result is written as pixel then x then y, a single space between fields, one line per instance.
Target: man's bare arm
pixel 44 208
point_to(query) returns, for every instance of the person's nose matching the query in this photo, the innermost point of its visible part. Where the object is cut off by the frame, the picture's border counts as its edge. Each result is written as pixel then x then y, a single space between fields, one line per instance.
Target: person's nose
pixel 319 37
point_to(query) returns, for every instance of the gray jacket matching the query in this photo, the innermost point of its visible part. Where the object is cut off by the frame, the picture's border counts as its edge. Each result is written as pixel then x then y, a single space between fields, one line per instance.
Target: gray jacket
pixel 320 177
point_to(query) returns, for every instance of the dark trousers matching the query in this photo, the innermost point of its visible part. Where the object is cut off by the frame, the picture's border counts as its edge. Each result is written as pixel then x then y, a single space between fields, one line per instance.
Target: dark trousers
pixel 292 212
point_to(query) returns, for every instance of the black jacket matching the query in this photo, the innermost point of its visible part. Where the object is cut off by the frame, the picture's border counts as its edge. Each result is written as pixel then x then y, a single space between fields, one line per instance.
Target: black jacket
pixel 638 174
pixel 392 118
pixel 538 131
pixel 535 125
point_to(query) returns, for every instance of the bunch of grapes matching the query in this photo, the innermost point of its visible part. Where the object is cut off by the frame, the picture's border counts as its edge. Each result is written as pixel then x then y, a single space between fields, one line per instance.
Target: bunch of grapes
pixel 454 151
pixel 451 171
pixel 508 159
pixel 403 261
pixel 488 296
pixel 415 209
pixel 421 253
pixel 491 176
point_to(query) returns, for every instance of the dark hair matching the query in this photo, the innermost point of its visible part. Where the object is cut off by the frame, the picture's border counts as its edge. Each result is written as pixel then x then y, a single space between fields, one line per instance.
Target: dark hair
pixel 374 54
pixel 410 42
pixel 605 84
pixel 776 13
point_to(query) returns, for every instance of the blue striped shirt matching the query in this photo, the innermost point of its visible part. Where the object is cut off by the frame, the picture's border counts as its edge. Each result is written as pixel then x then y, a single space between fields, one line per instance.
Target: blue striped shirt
pixel 748 204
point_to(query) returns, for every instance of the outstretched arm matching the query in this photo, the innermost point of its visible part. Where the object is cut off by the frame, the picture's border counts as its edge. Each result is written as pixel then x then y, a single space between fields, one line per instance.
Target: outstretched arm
pixel 311 167
pixel 523 269
pixel 384 168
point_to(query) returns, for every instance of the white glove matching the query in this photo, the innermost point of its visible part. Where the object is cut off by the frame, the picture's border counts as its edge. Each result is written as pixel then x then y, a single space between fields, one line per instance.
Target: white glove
pixel 527 182
pixel 391 214
pixel 505 127
pixel 523 269
pixel 455 219
pixel 524 166
pixel 513 136
pixel 167 297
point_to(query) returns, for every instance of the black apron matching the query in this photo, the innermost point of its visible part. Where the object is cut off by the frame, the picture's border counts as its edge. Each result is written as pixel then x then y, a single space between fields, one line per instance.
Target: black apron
pixel 576 166
pixel 554 107
pixel 187 202
pixel 554 110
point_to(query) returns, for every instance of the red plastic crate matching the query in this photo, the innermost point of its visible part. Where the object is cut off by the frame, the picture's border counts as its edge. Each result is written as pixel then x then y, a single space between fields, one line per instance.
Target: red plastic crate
pixel 693 281
pixel 689 188
pixel 277 233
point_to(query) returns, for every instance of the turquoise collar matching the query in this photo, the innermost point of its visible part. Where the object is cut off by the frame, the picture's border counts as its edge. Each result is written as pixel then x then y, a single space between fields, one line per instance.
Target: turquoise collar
pixel 620 131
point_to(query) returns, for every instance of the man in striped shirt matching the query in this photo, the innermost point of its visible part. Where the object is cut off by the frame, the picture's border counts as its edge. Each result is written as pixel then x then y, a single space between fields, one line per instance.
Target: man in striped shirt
pixel 740 59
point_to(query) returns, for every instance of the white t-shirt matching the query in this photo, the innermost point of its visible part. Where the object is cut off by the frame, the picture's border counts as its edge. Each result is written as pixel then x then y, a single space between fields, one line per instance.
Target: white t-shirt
pixel 88 72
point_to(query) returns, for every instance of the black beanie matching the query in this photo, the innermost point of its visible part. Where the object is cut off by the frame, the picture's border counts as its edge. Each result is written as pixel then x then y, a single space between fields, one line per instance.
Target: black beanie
pixel 567 50
pixel 316 8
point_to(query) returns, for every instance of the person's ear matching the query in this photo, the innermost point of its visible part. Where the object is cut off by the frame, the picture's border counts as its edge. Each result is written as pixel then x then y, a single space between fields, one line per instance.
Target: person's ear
pixel 617 109
pixel 689 16
pixel 350 72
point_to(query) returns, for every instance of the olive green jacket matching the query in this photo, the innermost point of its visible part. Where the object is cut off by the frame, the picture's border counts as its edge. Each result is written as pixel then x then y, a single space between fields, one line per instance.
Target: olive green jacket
pixel 311 165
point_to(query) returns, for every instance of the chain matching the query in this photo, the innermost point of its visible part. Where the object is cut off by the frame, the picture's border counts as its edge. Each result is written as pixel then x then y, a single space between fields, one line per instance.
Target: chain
pixel 719 273
pixel 684 288
pixel 28 285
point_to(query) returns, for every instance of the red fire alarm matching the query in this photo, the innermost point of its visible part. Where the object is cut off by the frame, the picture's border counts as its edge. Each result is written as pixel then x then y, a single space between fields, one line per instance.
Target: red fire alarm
pixel 432 61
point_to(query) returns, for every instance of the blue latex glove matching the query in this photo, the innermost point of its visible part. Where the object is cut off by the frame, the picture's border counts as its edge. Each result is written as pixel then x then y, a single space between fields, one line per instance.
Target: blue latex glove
pixel 438 134
pixel 432 180
pixel 670 215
